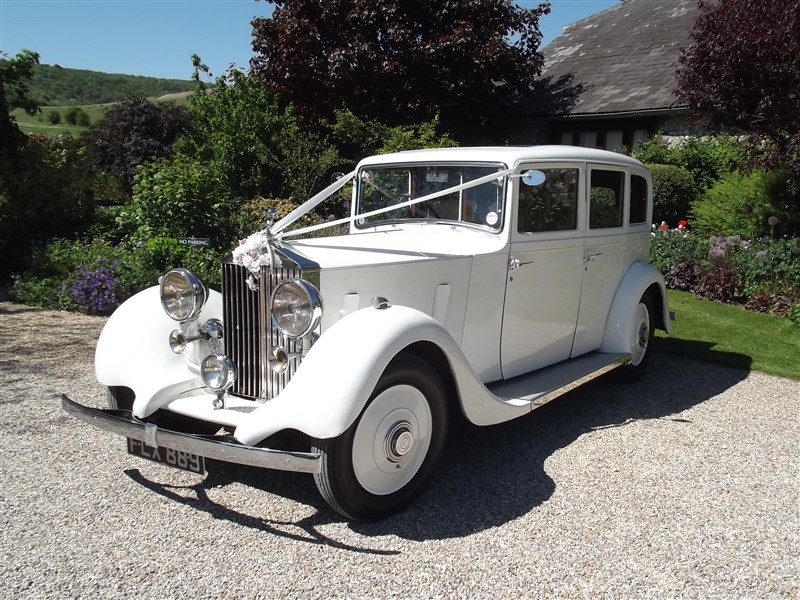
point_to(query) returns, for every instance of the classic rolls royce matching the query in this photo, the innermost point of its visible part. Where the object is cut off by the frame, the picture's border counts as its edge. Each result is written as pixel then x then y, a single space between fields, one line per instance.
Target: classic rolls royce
pixel 480 281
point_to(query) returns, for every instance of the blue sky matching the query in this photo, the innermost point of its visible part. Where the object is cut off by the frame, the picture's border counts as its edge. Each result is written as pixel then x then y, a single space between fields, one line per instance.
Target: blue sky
pixel 157 37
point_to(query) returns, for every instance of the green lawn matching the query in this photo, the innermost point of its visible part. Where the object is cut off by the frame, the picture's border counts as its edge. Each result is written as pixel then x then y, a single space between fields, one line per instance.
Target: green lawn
pixel 730 335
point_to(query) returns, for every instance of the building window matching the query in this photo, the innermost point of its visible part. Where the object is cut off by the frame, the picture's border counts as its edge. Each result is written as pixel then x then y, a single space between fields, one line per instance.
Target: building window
pixel 639 135
pixel 588 139
pixel 614 140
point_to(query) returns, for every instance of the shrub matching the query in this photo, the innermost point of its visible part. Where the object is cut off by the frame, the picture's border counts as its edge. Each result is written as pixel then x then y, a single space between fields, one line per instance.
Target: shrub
pixel 720 283
pixel 94 289
pixel 671 247
pixel 793 314
pixel 95 276
pixel 54 117
pixel 707 158
pixel 738 204
pixel 176 197
pixel 673 191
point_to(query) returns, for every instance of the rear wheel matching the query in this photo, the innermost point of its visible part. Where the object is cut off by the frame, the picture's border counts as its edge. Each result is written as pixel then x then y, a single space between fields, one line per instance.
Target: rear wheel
pixel 380 464
pixel 640 343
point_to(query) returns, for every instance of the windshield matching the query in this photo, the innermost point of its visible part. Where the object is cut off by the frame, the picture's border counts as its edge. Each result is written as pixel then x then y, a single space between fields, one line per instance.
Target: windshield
pixel 381 187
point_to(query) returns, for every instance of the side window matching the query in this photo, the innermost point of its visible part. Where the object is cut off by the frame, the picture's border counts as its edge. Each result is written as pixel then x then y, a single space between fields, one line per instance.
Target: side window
pixel 548 201
pixel 638 209
pixel 606 199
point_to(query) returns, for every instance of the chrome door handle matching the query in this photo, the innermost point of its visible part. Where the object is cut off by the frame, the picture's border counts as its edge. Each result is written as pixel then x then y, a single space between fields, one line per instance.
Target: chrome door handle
pixel 515 263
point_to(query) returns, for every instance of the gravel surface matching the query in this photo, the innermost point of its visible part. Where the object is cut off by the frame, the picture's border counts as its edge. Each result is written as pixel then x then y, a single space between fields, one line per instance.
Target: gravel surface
pixel 684 485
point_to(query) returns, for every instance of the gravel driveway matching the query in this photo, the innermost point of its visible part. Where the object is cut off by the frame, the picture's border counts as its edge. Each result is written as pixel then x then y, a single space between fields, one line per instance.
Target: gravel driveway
pixel 684 485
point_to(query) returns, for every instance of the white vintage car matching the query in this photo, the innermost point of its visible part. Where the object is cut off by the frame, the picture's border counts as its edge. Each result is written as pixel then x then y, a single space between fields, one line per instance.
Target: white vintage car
pixel 480 281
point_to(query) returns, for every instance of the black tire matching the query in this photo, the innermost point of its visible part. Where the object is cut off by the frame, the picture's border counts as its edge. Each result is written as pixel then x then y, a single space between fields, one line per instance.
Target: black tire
pixel 404 423
pixel 641 343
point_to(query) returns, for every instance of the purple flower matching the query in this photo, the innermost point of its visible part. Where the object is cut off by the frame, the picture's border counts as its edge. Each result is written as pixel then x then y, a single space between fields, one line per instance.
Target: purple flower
pixel 94 289
pixel 717 252
pixel 773 221
pixel 761 254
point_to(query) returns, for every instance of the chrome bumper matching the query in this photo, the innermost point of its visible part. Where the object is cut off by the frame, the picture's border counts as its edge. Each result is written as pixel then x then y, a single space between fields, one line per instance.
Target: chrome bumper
pixel 123 423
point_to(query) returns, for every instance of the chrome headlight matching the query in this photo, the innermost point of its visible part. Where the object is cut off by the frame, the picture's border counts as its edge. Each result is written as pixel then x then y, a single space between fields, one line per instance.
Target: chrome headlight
pixel 296 307
pixel 183 294
pixel 218 372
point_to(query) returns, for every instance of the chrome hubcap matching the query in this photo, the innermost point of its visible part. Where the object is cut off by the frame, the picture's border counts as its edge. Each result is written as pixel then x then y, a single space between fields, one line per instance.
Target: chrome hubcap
pixel 392 439
pixel 643 335
pixel 399 441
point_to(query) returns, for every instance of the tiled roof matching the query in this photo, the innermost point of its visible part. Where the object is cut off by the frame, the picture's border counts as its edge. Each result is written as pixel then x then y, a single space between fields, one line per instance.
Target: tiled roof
pixel 623 59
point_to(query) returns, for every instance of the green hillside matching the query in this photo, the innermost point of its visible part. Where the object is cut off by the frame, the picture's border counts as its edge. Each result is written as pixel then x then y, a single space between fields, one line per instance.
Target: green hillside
pixel 53 85
pixel 58 89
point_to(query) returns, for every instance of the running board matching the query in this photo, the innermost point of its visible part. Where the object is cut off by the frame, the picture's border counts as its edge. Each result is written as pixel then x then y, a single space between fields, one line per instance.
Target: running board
pixel 540 387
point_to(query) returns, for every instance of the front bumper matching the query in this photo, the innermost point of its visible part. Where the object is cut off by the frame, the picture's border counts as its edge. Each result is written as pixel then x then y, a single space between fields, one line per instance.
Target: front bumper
pixel 123 423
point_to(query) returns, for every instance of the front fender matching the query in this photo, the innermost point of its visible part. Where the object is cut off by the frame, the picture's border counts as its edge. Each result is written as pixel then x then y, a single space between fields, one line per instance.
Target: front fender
pixel 337 376
pixel 620 324
pixel 133 351
pixel 340 372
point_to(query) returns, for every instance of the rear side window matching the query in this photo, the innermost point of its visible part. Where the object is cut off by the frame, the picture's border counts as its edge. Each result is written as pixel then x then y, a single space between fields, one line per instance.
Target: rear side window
pixel 606 198
pixel 548 201
pixel 638 208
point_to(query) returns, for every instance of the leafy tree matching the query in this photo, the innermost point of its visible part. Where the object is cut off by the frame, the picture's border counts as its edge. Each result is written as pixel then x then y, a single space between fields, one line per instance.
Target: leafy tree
pixel 75 115
pixel 15 76
pixel 743 70
pixel 54 117
pixel 47 193
pixel 258 147
pixel 400 62
pixel 361 138
pixel 134 131
pixel 82 118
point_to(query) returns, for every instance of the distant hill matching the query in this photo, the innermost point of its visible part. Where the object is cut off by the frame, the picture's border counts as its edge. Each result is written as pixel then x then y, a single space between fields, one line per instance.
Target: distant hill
pixel 53 85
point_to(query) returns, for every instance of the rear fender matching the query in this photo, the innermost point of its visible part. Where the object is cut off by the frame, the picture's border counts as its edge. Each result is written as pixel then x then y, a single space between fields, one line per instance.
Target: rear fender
pixel 620 323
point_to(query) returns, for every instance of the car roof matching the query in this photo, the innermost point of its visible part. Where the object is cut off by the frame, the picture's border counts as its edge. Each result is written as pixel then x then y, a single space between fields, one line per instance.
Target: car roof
pixel 509 155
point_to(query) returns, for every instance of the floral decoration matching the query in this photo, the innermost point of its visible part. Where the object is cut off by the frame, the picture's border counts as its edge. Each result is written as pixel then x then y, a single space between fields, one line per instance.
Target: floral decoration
pixel 253 253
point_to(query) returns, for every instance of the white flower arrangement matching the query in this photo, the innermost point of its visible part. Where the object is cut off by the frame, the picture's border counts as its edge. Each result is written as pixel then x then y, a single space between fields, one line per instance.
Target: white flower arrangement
pixel 253 253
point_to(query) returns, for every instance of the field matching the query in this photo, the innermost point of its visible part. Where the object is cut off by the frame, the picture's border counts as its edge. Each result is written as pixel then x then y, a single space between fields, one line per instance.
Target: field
pixel 39 123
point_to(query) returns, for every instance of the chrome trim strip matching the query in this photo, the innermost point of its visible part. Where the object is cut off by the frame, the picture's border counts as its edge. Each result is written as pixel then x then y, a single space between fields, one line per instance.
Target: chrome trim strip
pixel 122 423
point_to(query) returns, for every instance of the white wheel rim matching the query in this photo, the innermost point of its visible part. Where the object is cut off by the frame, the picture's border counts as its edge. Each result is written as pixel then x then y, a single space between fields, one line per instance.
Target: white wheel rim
pixel 392 439
pixel 641 334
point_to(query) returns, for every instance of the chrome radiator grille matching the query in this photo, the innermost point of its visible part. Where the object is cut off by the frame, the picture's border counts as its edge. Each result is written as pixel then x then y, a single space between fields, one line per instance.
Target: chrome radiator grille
pixel 250 335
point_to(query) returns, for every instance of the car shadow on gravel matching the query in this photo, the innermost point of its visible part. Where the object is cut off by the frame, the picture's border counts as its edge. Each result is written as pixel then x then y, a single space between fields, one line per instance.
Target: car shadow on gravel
pixel 488 476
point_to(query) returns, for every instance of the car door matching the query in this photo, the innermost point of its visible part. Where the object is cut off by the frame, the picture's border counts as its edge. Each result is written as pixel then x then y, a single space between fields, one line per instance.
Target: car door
pixel 605 255
pixel 546 262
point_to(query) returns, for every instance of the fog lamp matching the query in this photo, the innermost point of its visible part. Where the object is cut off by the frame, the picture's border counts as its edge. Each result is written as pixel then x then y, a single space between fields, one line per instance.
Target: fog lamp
pixel 218 372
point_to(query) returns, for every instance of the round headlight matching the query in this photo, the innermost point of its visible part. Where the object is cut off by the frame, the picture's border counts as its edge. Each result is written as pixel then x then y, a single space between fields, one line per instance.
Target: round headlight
pixel 296 307
pixel 183 294
pixel 218 372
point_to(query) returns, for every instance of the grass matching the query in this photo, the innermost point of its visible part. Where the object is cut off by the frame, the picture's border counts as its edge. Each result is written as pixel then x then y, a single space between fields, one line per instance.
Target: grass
pixel 730 335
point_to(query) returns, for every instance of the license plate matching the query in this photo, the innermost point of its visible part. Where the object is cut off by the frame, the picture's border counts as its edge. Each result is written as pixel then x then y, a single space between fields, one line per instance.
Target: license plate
pixel 167 456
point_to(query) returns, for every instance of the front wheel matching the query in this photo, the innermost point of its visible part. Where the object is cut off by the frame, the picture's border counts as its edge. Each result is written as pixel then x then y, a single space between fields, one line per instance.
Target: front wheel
pixel 380 464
